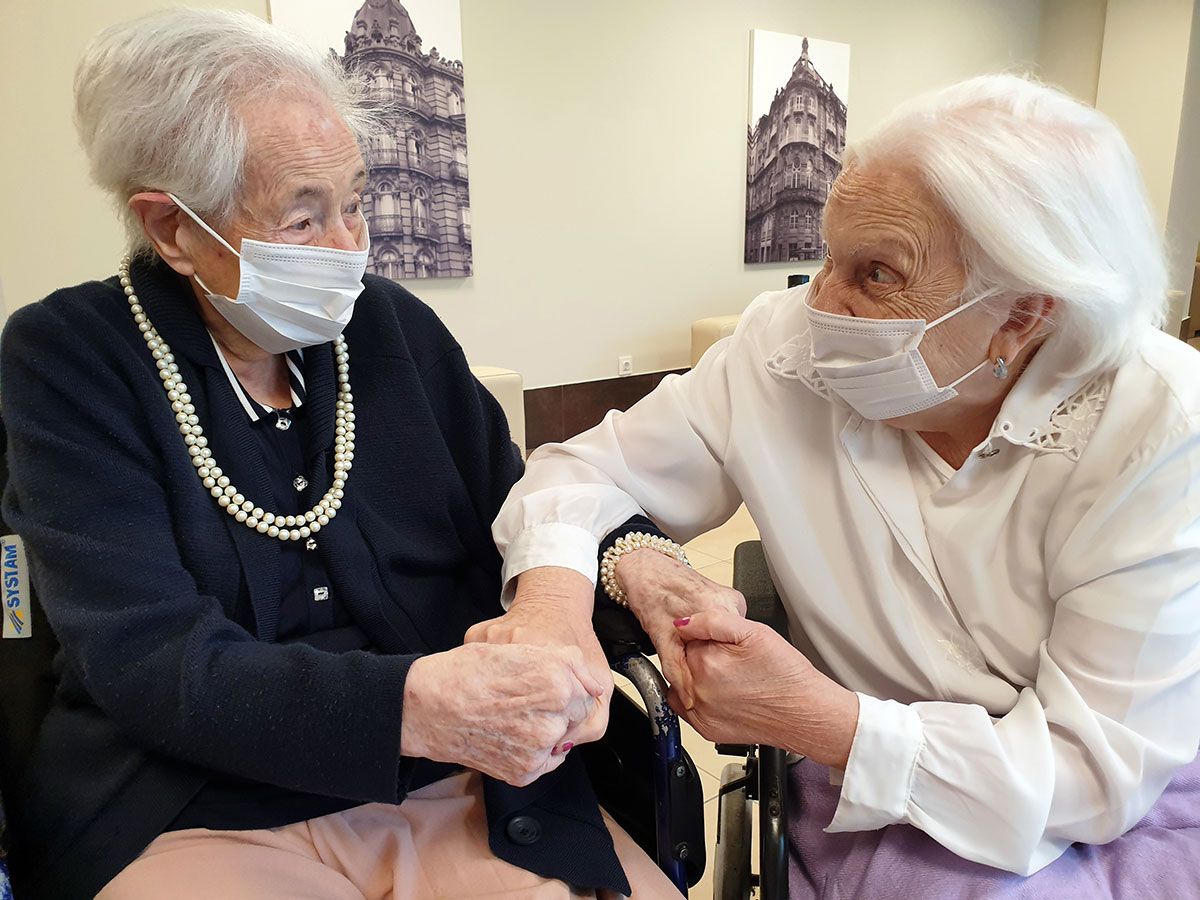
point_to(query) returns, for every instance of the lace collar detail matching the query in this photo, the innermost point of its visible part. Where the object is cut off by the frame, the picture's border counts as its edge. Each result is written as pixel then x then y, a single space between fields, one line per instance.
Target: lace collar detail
pixel 792 362
pixel 1073 421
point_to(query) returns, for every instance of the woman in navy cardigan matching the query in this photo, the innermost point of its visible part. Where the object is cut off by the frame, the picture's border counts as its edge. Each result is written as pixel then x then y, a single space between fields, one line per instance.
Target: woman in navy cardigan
pixel 260 556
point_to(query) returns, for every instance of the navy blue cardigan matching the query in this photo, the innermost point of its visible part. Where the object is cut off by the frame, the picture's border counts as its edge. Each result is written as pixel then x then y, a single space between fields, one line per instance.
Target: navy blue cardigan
pixel 166 608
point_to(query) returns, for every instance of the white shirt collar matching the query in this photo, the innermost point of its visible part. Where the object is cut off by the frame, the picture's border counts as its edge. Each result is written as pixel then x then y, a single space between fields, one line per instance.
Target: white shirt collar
pixel 254 409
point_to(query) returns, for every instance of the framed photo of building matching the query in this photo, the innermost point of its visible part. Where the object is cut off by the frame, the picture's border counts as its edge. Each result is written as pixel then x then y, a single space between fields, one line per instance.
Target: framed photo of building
pixel 797 132
pixel 409 57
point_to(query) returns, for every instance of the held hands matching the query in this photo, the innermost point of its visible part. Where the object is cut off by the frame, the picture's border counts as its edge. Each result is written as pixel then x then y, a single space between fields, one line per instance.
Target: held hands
pixel 501 709
pixel 553 608
pixel 660 590
pixel 733 680
pixel 528 685
pixel 751 686
pixel 521 692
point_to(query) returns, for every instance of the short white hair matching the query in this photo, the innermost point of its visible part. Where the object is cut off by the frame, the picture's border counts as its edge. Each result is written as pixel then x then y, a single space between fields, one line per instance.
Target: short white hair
pixel 159 102
pixel 1049 201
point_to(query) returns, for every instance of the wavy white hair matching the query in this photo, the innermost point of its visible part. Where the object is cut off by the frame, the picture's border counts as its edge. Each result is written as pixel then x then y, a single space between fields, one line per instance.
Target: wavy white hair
pixel 1049 201
pixel 159 101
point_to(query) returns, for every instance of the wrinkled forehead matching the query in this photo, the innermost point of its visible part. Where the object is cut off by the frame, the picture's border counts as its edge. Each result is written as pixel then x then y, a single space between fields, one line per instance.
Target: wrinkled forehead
pixel 298 143
pixel 887 200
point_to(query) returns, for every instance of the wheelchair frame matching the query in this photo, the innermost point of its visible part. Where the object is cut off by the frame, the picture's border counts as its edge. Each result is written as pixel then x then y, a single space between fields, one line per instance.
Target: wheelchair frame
pixel 761 778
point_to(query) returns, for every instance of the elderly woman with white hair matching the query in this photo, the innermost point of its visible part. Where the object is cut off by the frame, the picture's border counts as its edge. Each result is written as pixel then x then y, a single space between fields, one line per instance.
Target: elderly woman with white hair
pixel 261 580
pixel 975 465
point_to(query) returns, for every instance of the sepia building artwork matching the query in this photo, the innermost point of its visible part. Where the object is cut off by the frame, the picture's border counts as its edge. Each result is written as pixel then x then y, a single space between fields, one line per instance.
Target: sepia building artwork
pixel 795 141
pixel 417 204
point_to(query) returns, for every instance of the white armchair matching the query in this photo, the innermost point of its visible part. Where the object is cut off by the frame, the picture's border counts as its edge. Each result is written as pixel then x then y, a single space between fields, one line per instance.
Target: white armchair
pixel 508 387
pixel 706 332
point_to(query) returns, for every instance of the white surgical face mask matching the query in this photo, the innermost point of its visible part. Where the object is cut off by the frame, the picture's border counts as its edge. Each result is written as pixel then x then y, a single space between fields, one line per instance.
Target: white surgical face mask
pixel 290 295
pixel 875 364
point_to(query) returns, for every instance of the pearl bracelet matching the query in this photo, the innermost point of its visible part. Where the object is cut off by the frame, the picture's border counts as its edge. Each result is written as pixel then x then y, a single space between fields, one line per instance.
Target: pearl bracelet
pixel 627 544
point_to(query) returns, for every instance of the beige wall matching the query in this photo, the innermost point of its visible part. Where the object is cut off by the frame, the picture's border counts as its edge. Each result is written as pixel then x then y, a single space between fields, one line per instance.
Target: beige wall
pixel 1141 86
pixel 1139 62
pixel 1183 215
pixel 1141 82
pixel 607 158
pixel 57 228
pixel 1070 41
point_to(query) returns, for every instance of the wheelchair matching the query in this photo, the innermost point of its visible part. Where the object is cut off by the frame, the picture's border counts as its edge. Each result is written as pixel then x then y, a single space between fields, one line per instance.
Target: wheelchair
pixel 672 803
pixel 663 813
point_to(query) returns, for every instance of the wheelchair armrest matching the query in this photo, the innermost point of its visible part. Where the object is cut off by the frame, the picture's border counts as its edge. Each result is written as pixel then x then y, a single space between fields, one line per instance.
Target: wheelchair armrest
pixel 735 749
pixel 752 577
pixel 772 822
pixel 678 794
pixel 619 632
pixel 652 687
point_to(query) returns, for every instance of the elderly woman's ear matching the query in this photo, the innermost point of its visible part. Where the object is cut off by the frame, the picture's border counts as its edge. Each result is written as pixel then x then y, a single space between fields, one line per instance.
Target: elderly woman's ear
pixel 164 226
pixel 1028 323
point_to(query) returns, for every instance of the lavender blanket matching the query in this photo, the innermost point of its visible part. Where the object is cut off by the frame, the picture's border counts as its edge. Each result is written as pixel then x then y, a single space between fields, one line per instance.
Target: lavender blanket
pixel 1157 858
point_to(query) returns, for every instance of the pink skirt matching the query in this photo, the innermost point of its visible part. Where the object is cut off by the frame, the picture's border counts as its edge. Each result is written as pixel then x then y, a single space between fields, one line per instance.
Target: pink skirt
pixel 433 845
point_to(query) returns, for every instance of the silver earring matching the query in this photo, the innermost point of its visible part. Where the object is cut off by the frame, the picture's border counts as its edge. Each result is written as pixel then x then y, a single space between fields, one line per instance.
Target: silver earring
pixel 1000 370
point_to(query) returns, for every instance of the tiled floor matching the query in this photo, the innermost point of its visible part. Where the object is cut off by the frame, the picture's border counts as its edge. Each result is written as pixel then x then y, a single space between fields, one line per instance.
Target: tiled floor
pixel 711 554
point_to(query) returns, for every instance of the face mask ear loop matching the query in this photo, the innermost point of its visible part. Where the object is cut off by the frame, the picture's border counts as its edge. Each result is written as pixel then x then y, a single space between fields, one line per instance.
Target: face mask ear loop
pixel 199 221
pixel 365 243
pixel 200 281
pixel 954 312
pixel 959 381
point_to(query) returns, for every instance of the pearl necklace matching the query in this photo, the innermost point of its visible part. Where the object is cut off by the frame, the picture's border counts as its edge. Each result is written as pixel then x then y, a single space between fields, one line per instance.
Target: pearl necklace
pixel 285 528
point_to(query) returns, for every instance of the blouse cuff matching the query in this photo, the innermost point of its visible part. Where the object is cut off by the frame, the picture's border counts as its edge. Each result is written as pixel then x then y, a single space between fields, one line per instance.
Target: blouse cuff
pixel 879 774
pixel 549 544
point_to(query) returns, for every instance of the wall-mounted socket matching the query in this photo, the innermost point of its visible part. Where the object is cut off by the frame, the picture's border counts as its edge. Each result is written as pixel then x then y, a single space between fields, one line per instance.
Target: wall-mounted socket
pixel 624 365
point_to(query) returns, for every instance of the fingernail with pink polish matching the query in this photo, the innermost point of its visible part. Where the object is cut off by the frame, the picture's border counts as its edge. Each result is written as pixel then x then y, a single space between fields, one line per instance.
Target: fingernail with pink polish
pixel 679 623
pixel 566 747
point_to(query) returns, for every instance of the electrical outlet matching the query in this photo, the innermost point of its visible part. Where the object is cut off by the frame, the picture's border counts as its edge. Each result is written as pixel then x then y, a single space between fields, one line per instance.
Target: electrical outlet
pixel 624 365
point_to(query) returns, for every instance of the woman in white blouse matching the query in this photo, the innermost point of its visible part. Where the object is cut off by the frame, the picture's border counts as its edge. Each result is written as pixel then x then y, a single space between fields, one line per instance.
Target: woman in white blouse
pixel 975 465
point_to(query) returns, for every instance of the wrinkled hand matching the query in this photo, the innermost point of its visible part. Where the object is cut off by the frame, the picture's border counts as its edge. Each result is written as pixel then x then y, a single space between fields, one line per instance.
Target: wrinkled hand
pixel 501 709
pixel 553 608
pixel 752 686
pixel 660 590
